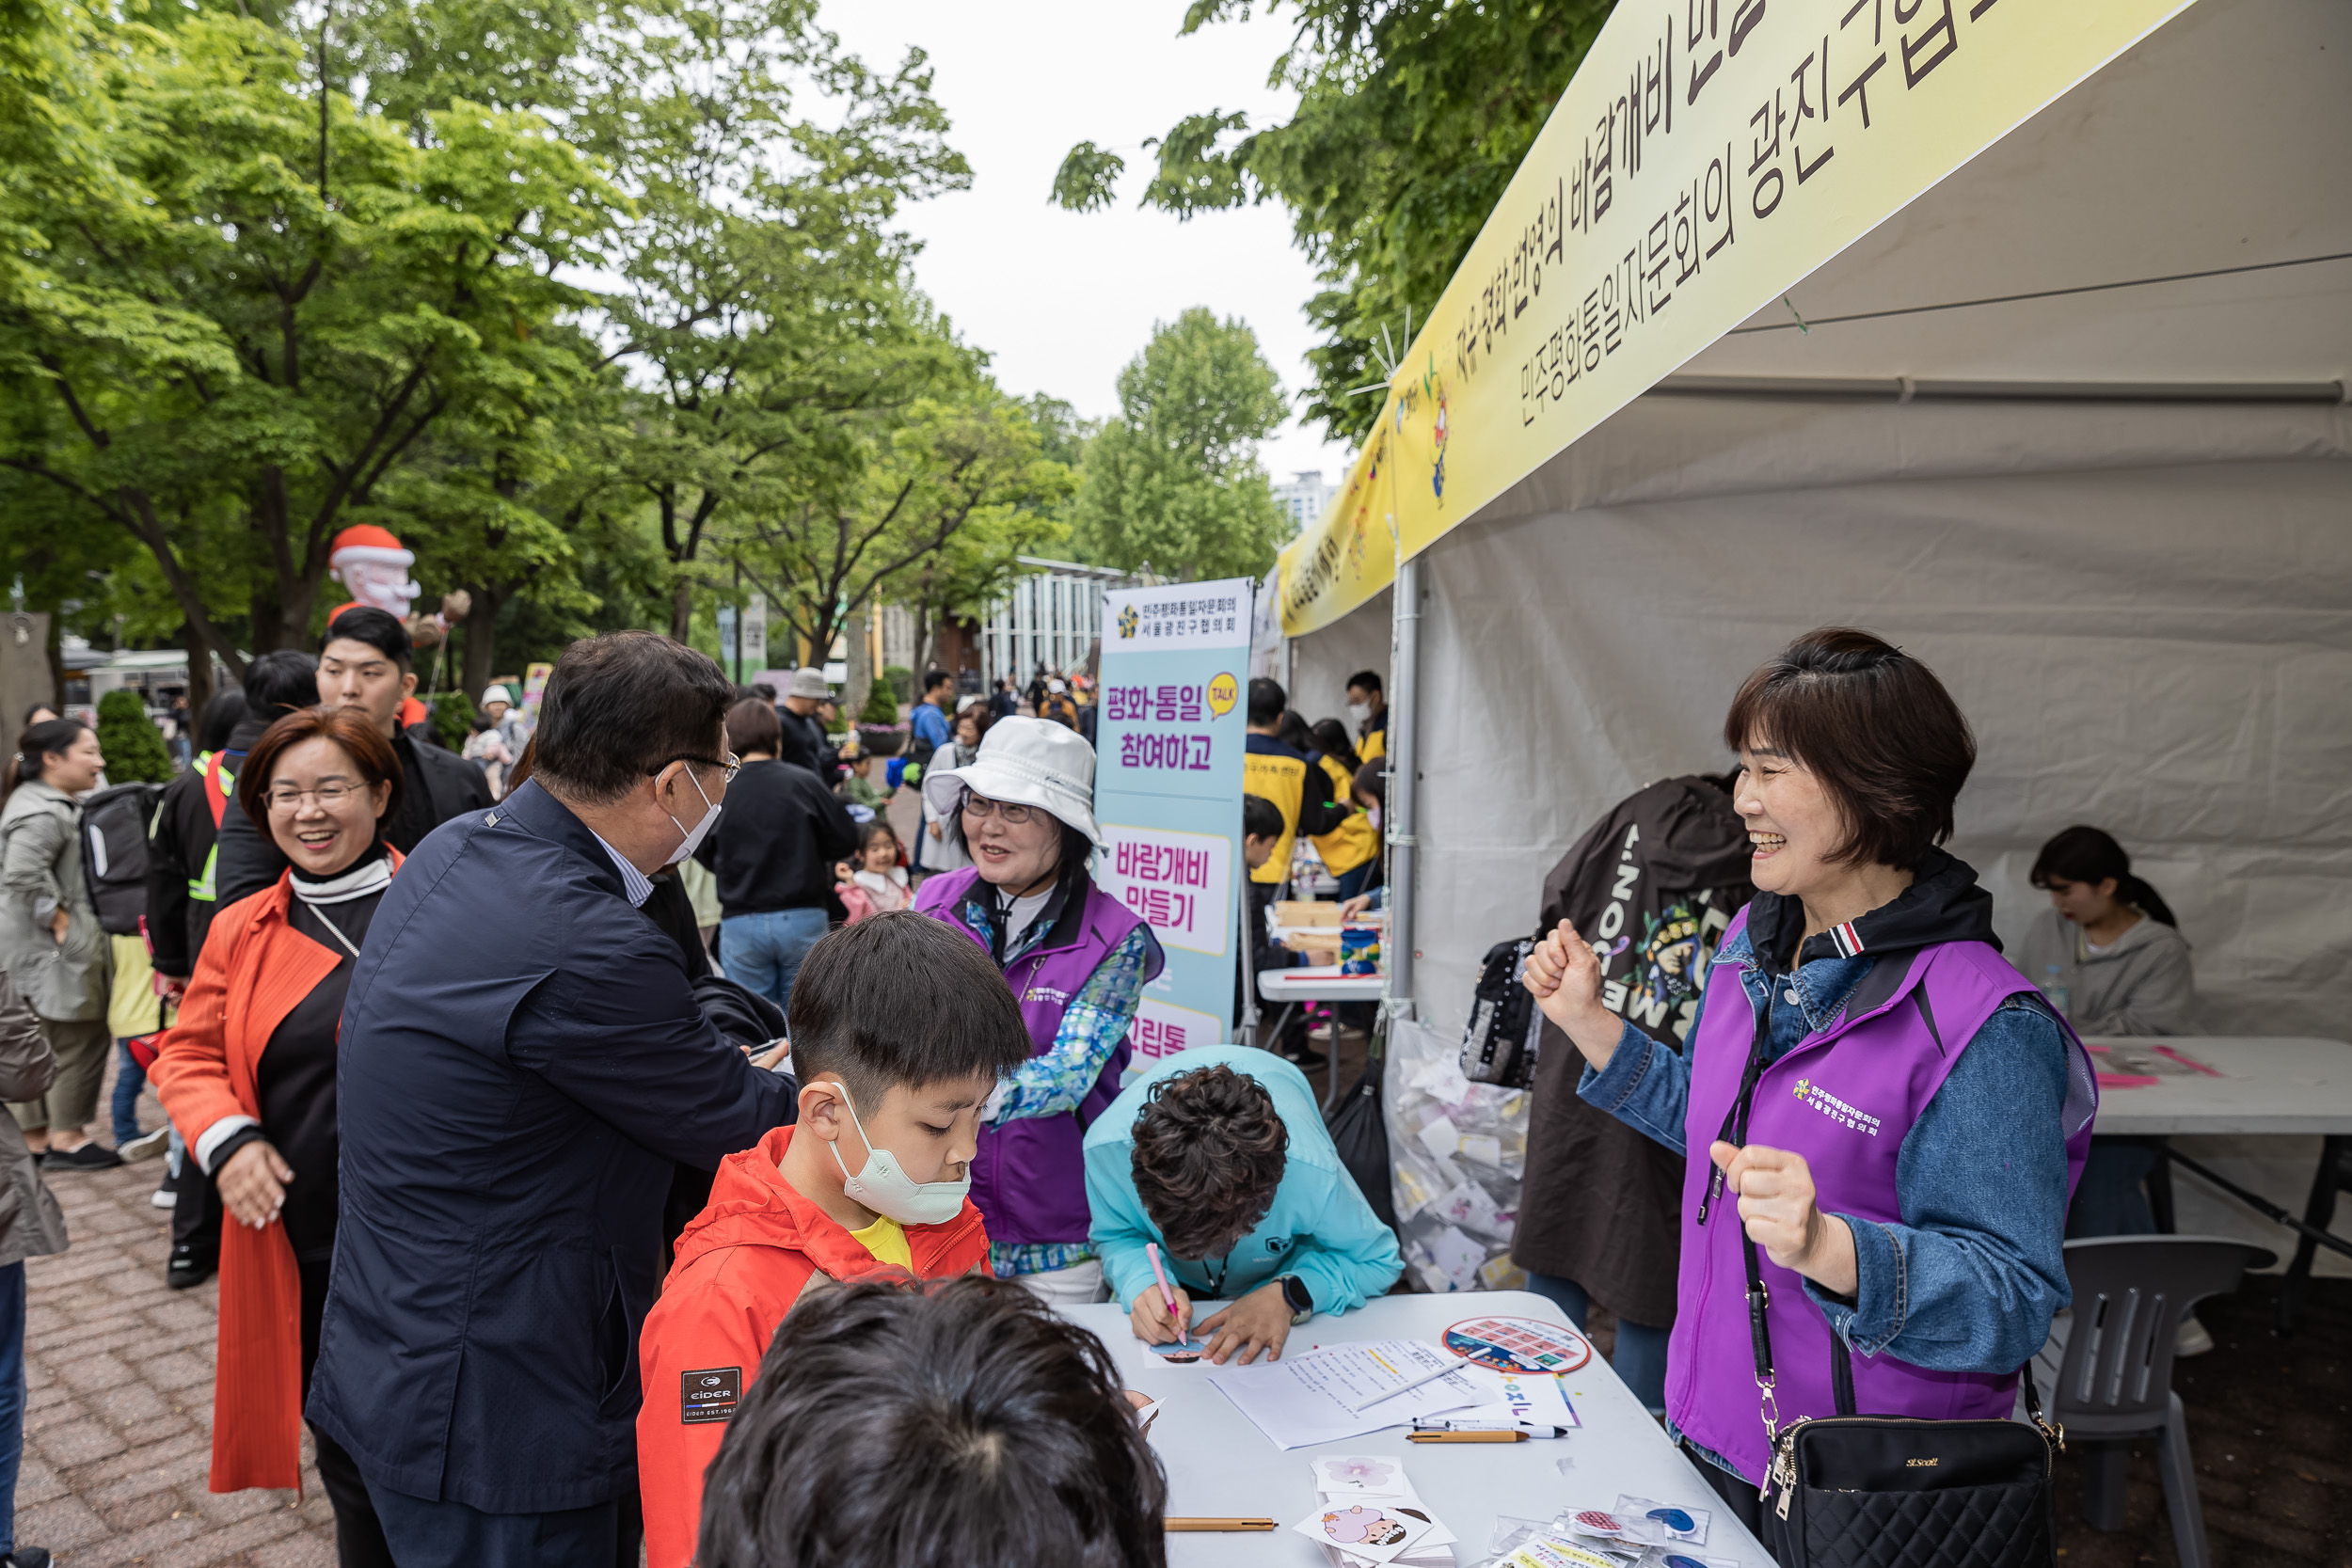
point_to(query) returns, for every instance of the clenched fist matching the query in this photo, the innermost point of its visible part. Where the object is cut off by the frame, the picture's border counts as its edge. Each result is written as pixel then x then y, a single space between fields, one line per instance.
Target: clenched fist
pixel 1564 976
pixel 1779 1208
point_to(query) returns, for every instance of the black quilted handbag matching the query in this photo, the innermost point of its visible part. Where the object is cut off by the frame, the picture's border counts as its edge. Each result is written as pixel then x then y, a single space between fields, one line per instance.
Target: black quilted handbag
pixel 1853 1491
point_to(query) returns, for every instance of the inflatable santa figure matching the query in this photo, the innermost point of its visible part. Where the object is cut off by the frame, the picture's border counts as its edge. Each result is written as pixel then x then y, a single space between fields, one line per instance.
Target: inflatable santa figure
pixel 373 566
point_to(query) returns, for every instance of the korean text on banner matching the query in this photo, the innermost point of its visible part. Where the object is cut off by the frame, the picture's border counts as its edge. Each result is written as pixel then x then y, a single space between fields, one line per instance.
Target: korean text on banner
pixel 1167 774
pixel 1707 157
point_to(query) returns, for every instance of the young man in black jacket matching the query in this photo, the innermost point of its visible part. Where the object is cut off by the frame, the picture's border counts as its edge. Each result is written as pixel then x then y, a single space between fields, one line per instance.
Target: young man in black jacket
pixel 366 664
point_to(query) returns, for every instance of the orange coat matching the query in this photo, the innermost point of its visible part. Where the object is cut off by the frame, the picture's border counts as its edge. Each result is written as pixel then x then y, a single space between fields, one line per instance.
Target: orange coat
pixel 254 969
pixel 741 1264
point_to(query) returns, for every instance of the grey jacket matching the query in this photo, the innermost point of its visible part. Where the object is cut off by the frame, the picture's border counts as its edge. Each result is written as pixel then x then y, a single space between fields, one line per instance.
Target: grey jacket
pixel 40 870
pixel 2143 984
pixel 31 1224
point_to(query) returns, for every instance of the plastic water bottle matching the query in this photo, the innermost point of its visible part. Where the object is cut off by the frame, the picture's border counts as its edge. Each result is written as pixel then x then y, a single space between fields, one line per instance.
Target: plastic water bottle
pixel 2054 989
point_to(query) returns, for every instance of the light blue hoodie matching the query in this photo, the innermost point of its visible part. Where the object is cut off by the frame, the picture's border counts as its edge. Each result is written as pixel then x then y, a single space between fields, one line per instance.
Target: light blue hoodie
pixel 1320 1227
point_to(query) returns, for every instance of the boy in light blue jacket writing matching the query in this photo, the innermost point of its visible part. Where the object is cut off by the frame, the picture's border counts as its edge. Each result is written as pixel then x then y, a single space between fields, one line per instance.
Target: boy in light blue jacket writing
pixel 1219 1156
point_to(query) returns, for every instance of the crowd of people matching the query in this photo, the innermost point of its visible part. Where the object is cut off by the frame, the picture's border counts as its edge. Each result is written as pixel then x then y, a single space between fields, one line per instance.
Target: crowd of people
pixel 568 1220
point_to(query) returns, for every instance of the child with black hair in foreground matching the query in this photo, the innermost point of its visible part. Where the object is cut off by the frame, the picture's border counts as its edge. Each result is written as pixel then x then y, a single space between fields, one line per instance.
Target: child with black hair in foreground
pixel 901 1027
pixel 1220 1155
pixel 955 1425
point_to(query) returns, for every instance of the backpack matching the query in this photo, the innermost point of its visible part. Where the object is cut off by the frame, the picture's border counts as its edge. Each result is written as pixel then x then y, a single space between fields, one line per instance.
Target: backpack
pixel 114 853
pixel 1505 1026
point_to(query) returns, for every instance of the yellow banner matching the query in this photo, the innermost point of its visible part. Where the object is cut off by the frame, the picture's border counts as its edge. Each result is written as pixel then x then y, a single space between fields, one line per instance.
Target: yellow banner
pixel 1708 154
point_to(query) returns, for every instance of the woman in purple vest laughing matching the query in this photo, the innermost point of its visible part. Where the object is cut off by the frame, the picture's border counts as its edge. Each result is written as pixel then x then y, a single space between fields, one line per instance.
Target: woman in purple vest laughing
pixel 1077 959
pixel 1878 1102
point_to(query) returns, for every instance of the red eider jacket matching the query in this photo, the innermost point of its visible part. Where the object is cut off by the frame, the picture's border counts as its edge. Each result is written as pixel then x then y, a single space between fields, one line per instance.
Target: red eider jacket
pixel 740 1265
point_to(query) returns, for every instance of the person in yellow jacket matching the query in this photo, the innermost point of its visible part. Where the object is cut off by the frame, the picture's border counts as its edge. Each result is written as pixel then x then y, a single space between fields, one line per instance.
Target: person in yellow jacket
pixel 1299 789
pixel 1369 707
pixel 1350 851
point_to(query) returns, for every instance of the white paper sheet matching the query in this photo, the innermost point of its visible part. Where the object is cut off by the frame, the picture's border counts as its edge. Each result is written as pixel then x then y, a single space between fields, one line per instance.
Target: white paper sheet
pixel 1313 1398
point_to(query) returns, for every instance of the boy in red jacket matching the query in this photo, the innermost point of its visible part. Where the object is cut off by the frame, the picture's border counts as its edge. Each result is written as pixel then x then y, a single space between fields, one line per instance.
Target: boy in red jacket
pixel 901 1027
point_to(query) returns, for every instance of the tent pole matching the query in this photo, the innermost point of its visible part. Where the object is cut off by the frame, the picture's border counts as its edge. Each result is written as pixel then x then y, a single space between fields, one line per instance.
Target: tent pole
pixel 1401 817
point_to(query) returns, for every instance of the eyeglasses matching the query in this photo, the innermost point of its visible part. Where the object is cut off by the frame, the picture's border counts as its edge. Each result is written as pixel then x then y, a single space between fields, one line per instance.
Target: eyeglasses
pixel 328 796
pixel 983 808
pixel 733 766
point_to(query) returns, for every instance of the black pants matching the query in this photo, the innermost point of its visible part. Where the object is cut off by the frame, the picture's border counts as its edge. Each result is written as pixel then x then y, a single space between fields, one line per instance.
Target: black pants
pixel 196 1212
pixel 358 1536
pixel 1738 1497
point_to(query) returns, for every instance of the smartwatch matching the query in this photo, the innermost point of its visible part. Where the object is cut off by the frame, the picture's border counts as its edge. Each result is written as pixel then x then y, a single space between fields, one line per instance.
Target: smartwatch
pixel 1295 1297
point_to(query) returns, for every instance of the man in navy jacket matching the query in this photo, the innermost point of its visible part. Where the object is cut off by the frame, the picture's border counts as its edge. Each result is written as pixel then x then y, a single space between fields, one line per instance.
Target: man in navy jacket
pixel 521 1062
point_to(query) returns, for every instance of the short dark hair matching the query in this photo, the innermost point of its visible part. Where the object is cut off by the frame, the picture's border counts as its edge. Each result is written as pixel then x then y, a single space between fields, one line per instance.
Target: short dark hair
pixel 901 998
pixel 1259 817
pixel 279 682
pixel 751 727
pixel 347 727
pixel 907 1425
pixel 1372 779
pixel 933 677
pixel 1209 1149
pixel 1365 680
pixel 622 707
pixel 2087 854
pixel 221 716
pixel 762 689
pixel 1266 700
pixel 379 630
pixel 1878 729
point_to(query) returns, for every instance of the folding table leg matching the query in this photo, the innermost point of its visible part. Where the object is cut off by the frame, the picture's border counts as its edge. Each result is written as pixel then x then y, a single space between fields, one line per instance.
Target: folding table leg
pixel 2319 1212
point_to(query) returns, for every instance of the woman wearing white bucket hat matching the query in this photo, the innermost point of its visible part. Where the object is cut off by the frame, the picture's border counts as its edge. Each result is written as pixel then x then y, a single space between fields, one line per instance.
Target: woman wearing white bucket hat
pixel 1077 959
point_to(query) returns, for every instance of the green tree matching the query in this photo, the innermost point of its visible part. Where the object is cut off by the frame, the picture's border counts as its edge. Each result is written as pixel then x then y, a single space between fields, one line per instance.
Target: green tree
pixel 763 302
pixel 256 296
pixel 1173 482
pixel 1412 116
pixel 135 748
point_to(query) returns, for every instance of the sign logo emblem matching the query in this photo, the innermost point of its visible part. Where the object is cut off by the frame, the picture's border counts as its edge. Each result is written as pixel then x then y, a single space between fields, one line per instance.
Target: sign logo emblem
pixel 1224 692
pixel 1128 621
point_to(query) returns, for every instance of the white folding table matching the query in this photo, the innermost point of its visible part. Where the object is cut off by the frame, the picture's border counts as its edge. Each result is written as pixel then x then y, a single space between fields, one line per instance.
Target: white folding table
pixel 2269 1088
pixel 1219 1464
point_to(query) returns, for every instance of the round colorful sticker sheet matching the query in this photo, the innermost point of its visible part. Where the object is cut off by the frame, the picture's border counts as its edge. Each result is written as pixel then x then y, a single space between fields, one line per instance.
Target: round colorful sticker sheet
pixel 1518 1344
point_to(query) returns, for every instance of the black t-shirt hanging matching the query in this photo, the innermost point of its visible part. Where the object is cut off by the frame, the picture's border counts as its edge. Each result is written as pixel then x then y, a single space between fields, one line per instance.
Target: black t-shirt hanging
pixel 295 1077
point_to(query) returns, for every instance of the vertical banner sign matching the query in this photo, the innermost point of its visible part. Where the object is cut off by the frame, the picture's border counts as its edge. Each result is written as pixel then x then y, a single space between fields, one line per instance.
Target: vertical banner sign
pixel 1708 155
pixel 1167 775
pixel 535 686
pixel 755 633
pixel 728 658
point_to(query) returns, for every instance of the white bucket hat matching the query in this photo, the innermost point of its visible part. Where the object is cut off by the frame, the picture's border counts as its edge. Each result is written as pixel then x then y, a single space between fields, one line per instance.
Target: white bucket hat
pixel 1028 762
pixel 496 695
pixel 808 683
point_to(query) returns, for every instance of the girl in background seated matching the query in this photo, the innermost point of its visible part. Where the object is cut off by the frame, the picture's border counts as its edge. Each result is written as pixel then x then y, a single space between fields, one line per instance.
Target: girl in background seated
pixel 876 881
pixel 2107 952
pixel 2108 940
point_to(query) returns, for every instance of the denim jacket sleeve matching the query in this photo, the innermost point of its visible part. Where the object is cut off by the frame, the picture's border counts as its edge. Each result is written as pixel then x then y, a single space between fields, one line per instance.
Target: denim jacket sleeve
pixel 1972 1276
pixel 1646 1085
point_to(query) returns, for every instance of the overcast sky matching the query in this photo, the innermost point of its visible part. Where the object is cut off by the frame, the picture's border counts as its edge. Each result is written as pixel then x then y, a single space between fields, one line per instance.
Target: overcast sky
pixel 1063 300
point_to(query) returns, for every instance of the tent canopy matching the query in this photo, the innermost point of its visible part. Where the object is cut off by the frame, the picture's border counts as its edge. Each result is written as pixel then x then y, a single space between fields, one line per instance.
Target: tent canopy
pixel 2141 595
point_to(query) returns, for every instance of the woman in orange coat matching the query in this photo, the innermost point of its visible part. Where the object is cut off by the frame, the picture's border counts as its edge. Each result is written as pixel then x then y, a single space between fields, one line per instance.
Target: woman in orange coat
pixel 249 1076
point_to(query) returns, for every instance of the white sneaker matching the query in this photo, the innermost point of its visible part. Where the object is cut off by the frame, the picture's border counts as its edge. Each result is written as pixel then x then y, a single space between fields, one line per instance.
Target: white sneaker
pixel 163 1198
pixel 145 1146
pixel 2192 1337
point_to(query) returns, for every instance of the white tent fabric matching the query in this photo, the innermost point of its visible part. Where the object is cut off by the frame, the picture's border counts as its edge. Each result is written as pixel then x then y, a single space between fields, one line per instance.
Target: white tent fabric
pixel 2145 607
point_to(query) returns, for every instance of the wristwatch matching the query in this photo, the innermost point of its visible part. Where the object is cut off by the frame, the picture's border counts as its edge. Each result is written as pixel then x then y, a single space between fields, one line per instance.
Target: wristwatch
pixel 1295 1297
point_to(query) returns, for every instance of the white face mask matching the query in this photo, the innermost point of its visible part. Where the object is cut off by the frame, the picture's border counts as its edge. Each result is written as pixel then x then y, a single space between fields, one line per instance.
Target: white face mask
pixel 1372 814
pixel 882 1186
pixel 1359 712
pixel 700 831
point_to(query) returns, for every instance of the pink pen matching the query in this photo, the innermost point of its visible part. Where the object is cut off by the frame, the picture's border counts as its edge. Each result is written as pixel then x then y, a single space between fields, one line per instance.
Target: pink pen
pixel 1151 1250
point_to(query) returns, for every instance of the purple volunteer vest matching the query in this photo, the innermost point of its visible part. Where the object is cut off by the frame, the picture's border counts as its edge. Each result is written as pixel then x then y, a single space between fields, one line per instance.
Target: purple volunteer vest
pixel 1028 1176
pixel 1844 1099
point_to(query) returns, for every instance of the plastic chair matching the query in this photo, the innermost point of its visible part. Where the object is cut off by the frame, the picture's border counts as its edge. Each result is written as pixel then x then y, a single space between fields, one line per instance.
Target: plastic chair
pixel 2111 1371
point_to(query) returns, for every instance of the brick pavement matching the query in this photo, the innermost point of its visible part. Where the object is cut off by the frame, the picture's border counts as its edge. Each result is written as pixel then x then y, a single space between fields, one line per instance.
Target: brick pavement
pixel 119 1406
